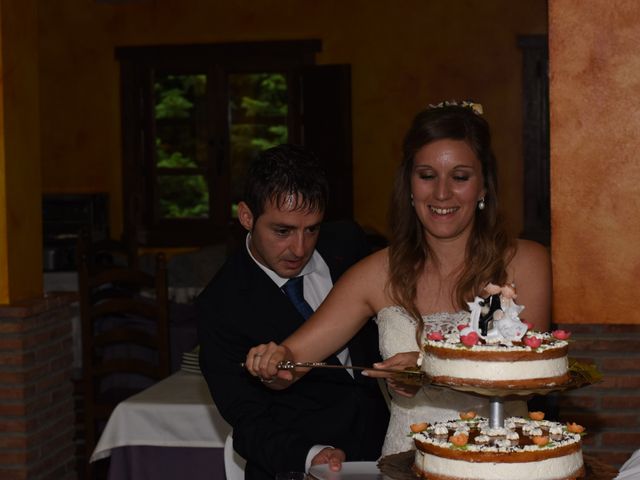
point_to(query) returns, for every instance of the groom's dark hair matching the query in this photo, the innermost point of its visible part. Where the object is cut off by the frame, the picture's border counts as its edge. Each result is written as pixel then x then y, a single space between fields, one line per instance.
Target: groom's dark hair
pixel 286 174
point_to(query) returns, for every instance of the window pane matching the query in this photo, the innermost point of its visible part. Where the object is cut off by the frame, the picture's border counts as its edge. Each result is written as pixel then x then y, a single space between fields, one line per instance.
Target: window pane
pixel 258 120
pixel 183 196
pixel 180 120
pixel 181 142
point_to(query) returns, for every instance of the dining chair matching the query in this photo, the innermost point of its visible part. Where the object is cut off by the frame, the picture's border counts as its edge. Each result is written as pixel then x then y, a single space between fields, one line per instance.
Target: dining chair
pixel 107 252
pixel 233 463
pixel 125 338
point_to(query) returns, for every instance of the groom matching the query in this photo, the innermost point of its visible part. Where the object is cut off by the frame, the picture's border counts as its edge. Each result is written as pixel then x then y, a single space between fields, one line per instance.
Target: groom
pixel 263 293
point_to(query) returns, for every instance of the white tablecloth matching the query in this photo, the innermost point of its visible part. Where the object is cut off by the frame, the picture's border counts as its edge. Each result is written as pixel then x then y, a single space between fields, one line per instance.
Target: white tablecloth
pixel 176 412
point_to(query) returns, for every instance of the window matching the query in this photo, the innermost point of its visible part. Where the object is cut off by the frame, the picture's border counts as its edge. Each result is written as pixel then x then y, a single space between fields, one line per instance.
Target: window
pixel 535 128
pixel 194 117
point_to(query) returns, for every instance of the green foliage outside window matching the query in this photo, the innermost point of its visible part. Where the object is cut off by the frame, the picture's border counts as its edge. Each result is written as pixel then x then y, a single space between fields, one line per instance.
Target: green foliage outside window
pixel 177 145
pixel 258 114
pixel 258 106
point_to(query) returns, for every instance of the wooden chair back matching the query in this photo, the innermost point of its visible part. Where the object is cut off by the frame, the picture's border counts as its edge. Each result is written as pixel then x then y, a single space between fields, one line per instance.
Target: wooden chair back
pixel 107 253
pixel 125 337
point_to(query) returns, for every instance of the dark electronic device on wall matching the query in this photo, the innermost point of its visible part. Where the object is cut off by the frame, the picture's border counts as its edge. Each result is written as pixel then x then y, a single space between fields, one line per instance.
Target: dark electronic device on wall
pixel 64 216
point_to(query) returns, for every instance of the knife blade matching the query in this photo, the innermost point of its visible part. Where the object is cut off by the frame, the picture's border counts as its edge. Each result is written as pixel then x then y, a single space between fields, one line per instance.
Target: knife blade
pixel 289 365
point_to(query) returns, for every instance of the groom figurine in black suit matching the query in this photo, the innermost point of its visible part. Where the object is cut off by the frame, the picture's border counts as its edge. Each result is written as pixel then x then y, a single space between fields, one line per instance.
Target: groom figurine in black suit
pixel 263 293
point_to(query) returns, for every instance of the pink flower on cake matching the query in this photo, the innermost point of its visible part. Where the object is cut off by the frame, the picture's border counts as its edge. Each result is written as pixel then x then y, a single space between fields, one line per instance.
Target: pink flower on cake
pixel 435 336
pixel 529 325
pixel 533 342
pixel 462 327
pixel 561 334
pixel 470 339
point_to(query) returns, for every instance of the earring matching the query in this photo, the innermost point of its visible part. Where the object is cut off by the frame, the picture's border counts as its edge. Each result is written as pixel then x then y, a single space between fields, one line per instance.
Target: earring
pixel 481 204
pixel 412 200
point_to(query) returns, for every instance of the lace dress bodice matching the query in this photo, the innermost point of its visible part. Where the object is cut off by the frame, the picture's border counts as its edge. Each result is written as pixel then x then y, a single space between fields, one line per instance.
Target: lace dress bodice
pixel 397 333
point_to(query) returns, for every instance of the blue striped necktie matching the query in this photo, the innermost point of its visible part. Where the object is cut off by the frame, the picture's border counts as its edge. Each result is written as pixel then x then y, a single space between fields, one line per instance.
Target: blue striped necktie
pixel 294 290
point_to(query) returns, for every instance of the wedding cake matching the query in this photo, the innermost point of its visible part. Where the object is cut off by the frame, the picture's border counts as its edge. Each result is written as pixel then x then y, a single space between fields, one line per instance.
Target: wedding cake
pixel 524 449
pixel 497 352
pixel 496 349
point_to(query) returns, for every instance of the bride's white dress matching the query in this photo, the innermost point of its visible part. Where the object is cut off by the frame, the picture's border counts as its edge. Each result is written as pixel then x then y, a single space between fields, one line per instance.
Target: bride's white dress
pixel 397 333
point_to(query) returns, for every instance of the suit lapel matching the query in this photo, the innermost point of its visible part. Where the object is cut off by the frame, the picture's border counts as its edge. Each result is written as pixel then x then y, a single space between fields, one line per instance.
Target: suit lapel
pixel 259 295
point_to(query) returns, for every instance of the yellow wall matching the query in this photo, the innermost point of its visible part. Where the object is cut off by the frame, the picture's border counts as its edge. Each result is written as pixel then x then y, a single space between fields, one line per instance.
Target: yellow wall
pixel 404 54
pixel 20 184
pixel 595 172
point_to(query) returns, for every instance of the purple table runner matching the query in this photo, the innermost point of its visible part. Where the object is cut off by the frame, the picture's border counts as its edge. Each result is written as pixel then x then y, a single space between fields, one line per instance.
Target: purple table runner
pixel 166 463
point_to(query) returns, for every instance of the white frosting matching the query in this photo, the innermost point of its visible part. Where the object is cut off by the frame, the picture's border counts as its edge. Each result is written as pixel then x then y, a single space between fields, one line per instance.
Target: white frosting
pixel 452 340
pixel 491 371
pixel 438 435
pixel 550 469
pixel 513 436
pixel 555 430
pixel 441 430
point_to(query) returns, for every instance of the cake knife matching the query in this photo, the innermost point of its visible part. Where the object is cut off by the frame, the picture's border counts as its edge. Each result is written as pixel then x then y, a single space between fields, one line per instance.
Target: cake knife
pixel 289 365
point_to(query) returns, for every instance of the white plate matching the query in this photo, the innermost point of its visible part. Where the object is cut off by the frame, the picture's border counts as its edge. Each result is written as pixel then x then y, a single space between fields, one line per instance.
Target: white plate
pixel 186 368
pixel 190 362
pixel 350 471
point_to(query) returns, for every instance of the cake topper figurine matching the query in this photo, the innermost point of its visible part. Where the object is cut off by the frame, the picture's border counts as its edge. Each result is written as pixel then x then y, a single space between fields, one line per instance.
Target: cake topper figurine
pixel 491 305
pixel 496 318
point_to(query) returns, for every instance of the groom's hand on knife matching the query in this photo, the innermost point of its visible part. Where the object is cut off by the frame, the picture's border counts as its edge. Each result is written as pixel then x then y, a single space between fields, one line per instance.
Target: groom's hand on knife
pixel 262 362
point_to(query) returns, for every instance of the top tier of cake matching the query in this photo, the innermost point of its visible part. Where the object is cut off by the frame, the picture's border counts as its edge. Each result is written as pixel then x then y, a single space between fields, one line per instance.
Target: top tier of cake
pixel 496 349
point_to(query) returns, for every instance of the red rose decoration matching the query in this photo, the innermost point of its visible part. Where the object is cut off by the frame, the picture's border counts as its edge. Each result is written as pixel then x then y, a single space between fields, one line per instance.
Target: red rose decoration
pixel 462 327
pixel 435 336
pixel 533 342
pixel 561 334
pixel 470 339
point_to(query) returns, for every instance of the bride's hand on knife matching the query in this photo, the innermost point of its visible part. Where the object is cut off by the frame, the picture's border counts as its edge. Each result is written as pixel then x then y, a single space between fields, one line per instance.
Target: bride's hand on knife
pixel 399 361
pixel 262 362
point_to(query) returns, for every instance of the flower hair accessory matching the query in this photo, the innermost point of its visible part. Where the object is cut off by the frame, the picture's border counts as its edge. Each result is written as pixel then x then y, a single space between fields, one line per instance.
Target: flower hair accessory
pixel 475 107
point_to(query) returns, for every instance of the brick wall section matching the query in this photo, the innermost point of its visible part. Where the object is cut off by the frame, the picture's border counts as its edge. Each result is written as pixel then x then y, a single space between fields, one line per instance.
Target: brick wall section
pixel 610 409
pixel 36 400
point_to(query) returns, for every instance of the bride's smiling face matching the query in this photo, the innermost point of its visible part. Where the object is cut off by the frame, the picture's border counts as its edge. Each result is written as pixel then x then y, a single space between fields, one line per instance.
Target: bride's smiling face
pixel 446 184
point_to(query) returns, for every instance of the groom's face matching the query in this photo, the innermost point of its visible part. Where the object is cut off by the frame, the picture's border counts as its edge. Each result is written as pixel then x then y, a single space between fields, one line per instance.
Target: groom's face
pixel 282 239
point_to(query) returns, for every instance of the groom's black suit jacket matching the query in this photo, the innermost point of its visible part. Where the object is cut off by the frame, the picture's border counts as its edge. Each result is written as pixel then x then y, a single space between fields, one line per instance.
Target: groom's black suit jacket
pixel 274 430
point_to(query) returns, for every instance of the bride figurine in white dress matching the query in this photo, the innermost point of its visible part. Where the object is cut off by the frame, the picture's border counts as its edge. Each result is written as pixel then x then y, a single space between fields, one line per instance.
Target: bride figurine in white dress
pixel 447 241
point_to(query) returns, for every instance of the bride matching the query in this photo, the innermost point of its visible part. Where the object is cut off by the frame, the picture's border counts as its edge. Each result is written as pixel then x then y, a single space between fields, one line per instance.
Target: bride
pixel 447 242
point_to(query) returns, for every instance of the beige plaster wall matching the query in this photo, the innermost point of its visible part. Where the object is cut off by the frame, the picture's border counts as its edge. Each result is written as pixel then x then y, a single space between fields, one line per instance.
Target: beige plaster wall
pixel 595 169
pixel 404 54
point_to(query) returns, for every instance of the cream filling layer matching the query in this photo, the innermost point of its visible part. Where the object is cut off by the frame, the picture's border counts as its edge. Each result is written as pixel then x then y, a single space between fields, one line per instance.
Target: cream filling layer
pixel 460 368
pixel 550 469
